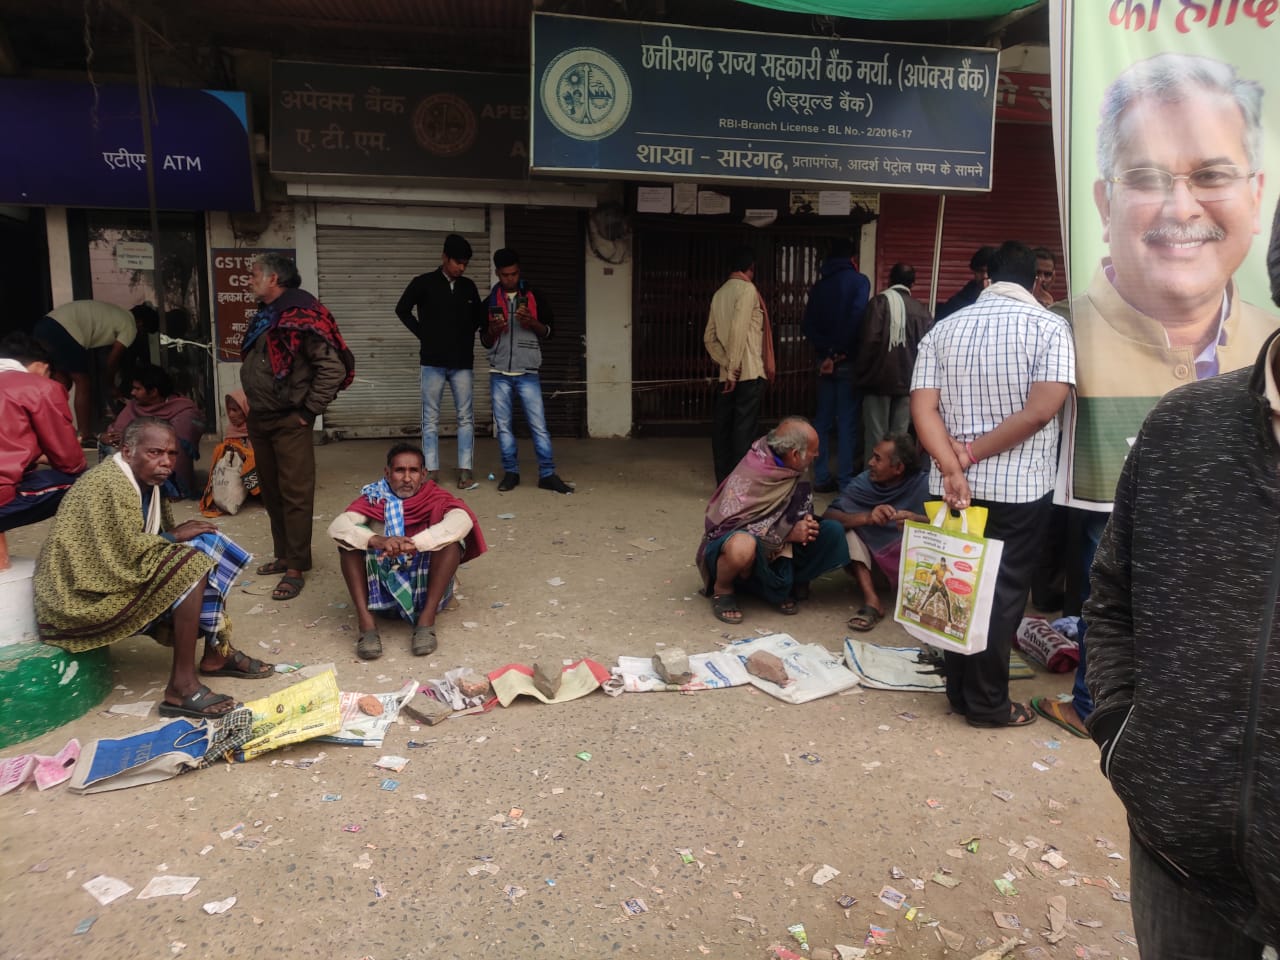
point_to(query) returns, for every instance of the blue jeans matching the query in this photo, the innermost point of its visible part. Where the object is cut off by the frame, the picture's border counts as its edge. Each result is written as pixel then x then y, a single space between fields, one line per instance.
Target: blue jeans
pixel 1094 524
pixel 529 387
pixel 433 381
pixel 838 405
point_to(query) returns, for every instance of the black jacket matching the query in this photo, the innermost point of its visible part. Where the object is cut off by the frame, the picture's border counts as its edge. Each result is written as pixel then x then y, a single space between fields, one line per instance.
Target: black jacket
pixel 1183 651
pixel 447 320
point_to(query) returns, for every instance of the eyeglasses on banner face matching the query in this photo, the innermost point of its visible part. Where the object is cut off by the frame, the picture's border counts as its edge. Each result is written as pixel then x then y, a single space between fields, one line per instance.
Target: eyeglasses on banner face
pixel 1208 184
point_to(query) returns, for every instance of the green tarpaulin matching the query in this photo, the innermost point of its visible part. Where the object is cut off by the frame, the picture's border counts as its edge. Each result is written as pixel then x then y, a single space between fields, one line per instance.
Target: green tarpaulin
pixel 899 9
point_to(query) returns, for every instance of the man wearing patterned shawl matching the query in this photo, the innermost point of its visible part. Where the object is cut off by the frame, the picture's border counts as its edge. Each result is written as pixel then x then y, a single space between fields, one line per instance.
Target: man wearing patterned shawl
pixel 116 565
pixel 761 535
pixel 408 568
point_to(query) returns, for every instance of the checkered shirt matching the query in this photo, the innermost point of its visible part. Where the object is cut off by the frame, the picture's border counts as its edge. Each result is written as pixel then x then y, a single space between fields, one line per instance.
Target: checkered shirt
pixel 984 360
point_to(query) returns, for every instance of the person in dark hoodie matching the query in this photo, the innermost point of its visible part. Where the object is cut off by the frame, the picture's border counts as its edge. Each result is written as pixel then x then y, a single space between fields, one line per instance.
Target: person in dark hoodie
pixel 293 363
pixel 967 296
pixel 1184 665
pixel 832 323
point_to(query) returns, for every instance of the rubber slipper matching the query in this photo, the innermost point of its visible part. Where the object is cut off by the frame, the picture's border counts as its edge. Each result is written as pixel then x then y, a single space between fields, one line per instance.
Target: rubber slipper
pixel 1019 716
pixel 197 705
pixel 788 608
pixel 1051 710
pixel 369 646
pixel 287 588
pixel 242 667
pixel 865 619
pixel 724 606
pixel 424 641
pixel 272 568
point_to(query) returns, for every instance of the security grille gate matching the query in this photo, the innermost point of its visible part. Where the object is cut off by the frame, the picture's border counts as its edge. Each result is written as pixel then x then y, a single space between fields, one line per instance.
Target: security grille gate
pixel 678 268
pixel 363 271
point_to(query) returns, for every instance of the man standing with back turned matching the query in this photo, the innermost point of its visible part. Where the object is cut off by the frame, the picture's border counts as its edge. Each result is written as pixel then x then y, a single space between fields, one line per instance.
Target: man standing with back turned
pixel 985 395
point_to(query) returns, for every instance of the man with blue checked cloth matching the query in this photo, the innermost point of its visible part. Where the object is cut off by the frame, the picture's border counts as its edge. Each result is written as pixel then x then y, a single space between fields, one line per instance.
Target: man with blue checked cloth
pixel 116 565
pixel 987 386
pixel 407 570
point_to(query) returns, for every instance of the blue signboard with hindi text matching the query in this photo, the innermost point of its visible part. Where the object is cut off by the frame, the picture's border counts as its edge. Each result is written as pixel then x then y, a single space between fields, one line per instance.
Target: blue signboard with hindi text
pixel 78 144
pixel 655 100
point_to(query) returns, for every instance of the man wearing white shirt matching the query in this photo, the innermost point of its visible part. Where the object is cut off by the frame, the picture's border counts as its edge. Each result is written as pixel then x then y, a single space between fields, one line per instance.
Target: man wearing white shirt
pixel 987 386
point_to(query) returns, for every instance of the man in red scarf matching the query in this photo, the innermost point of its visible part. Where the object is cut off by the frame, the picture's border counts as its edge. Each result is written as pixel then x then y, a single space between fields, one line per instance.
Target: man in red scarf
pixel 408 568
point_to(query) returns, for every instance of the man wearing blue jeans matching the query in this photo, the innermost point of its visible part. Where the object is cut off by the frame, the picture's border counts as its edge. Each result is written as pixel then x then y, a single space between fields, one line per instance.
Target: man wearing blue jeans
pixel 519 320
pixel 449 312
pixel 832 323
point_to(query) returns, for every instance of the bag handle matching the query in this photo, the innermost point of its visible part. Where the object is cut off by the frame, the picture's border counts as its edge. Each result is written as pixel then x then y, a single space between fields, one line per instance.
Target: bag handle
pixel 940 518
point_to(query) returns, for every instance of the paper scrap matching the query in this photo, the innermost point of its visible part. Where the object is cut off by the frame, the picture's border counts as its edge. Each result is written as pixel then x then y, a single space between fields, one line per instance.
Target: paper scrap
pixel 168 886
pixel 105 889
pixel 219 906
pixel 826 873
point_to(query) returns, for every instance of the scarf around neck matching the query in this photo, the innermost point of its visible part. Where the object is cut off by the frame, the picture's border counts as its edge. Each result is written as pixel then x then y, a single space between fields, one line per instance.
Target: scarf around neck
pixel 151 520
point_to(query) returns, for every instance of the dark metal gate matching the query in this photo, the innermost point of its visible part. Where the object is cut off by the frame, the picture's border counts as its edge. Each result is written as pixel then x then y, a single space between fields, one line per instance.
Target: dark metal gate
pixel 679 265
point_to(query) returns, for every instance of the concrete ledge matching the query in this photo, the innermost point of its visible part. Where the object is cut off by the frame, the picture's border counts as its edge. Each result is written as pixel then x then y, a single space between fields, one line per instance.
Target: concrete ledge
pixel 42 687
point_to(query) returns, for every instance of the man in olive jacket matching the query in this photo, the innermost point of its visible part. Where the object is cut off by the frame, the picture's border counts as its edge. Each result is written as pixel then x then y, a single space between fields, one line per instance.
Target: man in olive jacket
pixel 293 364
pixel 1184 665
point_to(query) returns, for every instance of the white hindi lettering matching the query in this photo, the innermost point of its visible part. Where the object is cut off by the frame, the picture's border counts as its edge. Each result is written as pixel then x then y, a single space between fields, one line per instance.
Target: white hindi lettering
pixel 122 159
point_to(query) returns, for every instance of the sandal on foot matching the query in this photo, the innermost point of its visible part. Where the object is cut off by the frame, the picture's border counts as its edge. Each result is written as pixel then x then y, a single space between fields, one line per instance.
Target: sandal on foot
pixel 243 667
pixel 1020 715
pixel 287 588
pixel 369 646
pixel 424 641
pixel 272 568
pixel 1051 710
pixel 865 619
pixel 724 606
pixel 788 607
pixel 199 705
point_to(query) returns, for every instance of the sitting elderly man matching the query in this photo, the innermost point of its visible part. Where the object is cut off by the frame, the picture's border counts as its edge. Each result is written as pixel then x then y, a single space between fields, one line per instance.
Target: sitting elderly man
pixel 761 534
pixel 115 565
pixel 872 508
pixel 408 568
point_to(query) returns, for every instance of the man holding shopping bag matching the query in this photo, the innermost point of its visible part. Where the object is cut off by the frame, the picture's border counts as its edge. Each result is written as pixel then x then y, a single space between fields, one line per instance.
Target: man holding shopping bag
pixel 985 393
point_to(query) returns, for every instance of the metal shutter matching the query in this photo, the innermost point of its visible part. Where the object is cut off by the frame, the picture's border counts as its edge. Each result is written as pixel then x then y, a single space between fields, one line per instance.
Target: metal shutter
pixel 550 243
pixel 1022 205
pixel 363 271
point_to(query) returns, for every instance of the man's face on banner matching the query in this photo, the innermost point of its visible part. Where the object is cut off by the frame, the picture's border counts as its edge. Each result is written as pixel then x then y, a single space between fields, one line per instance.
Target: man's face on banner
pixel 1174 247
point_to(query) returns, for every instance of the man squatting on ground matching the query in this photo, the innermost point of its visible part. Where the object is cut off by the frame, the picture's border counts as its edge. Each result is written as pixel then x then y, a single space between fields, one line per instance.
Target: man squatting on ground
pixel 115 565
pixel 408 568
pixel 760 534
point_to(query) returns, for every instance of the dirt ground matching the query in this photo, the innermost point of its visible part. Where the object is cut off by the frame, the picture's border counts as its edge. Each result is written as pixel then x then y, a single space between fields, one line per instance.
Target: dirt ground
pixel 890 801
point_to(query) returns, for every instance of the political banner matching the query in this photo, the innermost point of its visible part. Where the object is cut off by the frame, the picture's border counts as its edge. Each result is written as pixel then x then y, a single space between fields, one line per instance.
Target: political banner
pixel 1165 128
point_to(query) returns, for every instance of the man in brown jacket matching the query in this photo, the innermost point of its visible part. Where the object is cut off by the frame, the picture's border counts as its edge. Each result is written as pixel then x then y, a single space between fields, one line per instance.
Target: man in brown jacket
pixel 293 363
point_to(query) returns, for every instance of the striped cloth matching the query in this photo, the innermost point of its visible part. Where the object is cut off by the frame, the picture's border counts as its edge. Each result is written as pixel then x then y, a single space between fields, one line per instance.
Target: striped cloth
pixel 402 585
pixel 229 562
pixel 984 360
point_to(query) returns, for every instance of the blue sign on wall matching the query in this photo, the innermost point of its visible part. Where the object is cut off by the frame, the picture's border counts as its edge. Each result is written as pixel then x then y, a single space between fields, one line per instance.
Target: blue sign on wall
pixel 672 102
pixel 70 144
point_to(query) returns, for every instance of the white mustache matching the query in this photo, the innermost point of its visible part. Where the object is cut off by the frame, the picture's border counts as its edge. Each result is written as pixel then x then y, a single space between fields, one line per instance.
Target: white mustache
pixel 1184 233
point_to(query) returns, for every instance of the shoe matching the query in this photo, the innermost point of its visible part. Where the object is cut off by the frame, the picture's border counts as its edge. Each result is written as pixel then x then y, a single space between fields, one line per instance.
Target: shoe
pixel 424 641
pixel 553 482
pixel 826 486
pixel 509 482
pixel 465 480
pixel 433 475
pixel 369 646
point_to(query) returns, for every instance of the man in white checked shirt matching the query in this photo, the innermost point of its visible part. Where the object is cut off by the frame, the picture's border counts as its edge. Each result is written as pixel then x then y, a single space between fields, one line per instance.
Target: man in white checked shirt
pixel 987 386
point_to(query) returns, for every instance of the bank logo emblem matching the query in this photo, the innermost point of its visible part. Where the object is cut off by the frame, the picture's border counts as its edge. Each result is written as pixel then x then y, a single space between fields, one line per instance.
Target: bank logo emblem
pixel 585 93
pixel 444 124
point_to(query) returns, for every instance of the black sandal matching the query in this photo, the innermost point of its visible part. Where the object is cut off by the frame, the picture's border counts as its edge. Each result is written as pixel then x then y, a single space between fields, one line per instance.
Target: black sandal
pixel 198 705
pixel 724 605
pixel 1020 715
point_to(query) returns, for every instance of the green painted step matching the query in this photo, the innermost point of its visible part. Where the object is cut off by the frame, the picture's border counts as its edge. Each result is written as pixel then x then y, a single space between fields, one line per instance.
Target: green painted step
pixel 42 687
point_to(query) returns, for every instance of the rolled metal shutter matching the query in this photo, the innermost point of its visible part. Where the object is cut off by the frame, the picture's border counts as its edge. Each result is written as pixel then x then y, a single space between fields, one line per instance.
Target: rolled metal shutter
pixel 363 271
pixel 1022 205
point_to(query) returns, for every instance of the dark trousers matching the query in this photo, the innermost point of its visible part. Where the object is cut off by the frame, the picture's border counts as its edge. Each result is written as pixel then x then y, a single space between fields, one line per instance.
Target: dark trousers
pixel 1171 923
pixel 978 683
pixel 287 475
pixel 35 498
pixel 735 422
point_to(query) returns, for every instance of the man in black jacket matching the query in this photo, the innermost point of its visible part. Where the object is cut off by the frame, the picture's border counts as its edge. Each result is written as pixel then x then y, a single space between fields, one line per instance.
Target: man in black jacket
pixel 1184 665
pixel 449 313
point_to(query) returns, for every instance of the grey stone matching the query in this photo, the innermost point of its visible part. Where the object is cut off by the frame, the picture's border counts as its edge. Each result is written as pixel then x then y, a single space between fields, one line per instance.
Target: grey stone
pixel 672 665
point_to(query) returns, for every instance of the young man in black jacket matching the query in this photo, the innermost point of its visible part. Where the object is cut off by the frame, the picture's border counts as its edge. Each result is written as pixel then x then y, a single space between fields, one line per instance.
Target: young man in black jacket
pixel 1184 666
pixel 449 314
